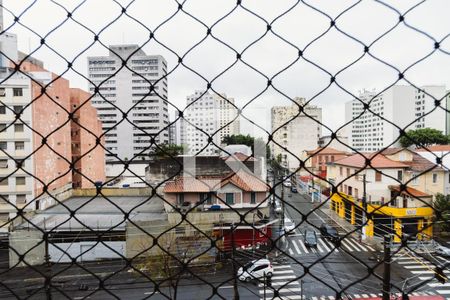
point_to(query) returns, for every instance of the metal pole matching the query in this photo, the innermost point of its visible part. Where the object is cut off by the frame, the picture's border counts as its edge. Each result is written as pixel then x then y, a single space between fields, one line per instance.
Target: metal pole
pixel 265 282
pixel 301 289
pixel 364 204
pixel 387 268
pixel 235 287
pixel 48 278
pixel 253 239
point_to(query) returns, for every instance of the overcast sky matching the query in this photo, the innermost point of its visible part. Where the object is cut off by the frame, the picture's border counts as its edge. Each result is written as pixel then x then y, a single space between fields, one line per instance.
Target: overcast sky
pixel 297 23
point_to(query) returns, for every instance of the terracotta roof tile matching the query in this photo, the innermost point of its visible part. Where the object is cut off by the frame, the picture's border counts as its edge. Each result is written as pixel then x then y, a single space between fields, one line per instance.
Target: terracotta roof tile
pixel 434 148
pixel 409 191
pixel 241 179
pixel 378 161
pixel 326 150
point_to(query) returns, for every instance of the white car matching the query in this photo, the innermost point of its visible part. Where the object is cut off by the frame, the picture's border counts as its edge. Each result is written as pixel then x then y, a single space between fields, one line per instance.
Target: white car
pixel 278 207
pixel 287 183
pixel 255 269
pixel 289 226
pixel 442 251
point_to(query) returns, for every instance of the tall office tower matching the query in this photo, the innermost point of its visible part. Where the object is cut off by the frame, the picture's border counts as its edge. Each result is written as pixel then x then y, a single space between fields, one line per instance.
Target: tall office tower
pixel 404 106
pixel 130 94
pixel 295 134
pixel 208 116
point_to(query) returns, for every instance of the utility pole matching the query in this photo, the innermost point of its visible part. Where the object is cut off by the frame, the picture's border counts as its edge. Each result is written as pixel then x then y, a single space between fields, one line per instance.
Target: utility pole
pixel 48 279
pixel 387 268
pixel 364 206
pixel 235 287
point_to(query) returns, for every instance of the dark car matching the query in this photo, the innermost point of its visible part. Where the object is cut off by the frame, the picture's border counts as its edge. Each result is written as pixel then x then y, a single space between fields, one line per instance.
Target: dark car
pixel 294 189
pixel 310 238
pixel 329 232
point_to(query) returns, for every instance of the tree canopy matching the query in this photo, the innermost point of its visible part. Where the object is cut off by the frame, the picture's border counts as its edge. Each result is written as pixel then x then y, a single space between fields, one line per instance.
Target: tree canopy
pixel 424 137
pixel 442 211
pixel 240 139
pixel 167 150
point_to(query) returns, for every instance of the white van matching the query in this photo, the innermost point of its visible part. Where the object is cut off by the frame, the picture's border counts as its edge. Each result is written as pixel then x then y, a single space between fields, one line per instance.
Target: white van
pixel 255 269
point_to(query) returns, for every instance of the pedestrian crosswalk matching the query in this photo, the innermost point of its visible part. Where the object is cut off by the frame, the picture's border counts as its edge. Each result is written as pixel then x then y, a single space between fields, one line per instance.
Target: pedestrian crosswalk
pixel 424 270
pixel 349 244
pixel 284 284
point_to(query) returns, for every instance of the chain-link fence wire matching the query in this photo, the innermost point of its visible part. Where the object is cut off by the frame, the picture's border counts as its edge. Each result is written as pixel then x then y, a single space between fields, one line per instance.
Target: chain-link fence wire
pixel 173 252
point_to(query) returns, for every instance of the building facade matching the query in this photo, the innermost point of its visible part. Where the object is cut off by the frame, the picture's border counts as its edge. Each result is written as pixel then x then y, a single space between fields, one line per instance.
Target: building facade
pixel 207 119
pixel 295 134
pixel 398 107
pixel 137 88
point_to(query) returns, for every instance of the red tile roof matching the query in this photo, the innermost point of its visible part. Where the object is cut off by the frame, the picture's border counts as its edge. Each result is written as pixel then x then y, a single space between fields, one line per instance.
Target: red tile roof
pixel 435 148
pixel 241 179
pixel 326 150
pixel 409 191
pixel 378 161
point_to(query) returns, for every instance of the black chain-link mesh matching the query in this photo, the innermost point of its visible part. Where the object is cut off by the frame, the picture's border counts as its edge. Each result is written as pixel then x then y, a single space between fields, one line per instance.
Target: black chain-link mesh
pixel 188 252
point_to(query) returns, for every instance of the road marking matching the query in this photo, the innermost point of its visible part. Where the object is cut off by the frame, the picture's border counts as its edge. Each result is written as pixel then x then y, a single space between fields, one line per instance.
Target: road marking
pixel 285 271
pixel 281 283
pixel 296 247
pixel 428 272
pixel 350 244
pixel 425 278
pixel 359 245
pixel 291 252
pixel 365 296
pixel 303 246
pixel 290 297
pixel 319 248
pixel 348 248
pixel 283 277
pixel 443 292
pixel 283 290
pixel 314 298
pixel 282 267
pixel 324 245
pixel 226 287
pixel 418 267
pixel 370 248
pixel 357 296
pixel 151 293
pixel 373 295
pixel 439 284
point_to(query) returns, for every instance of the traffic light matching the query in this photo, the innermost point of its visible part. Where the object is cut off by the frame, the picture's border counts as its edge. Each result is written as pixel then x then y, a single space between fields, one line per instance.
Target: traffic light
pixel 440 276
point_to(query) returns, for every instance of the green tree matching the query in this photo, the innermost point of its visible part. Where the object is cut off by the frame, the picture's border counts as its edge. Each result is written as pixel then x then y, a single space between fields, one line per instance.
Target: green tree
pixel 255 144
pixel 167 150
pixel 424 137
pixel 442 212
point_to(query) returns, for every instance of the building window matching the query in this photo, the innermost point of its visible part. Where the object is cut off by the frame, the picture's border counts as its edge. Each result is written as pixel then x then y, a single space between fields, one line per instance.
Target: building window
pixel 415 178
pixel 21 199
pixel 340 171
pixel 252 197
pixel 400 175
pixel 4 199
pixel 3 145
pixel 332 158
pixel 378 176
pixel 206 197
pixel 3 163
pixel 18 127
pixel 2 127
pixel 17 92
pixel 180 199
pixel 19 145
pixel 2 110
pixel 3 181
pixel 348 172
pixel 435 177
pixel 20 181
pixel 229 198
pixel 17 108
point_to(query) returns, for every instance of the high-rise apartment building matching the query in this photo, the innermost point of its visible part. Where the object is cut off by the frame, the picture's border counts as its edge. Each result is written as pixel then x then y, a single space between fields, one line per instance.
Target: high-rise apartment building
pixel 400 106
pixel 208 118
pixel 130 94
pixel 293 133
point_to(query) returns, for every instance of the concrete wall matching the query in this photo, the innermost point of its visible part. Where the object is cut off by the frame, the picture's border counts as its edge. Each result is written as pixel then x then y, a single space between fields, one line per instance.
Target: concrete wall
pixel 22 241
pixel 86 251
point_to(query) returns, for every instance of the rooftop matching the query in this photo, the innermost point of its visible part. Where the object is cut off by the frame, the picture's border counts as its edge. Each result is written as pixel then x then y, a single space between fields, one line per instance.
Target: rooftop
pixel 376 160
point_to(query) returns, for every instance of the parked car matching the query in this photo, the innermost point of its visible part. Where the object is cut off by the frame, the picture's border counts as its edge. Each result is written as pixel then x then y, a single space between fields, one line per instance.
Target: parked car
pixel 255 270
pixel 442 251
pixel 329 232
pixel 294 189
pixel 287 183
pixel 289 226
pixel 310 238
pixel 278 208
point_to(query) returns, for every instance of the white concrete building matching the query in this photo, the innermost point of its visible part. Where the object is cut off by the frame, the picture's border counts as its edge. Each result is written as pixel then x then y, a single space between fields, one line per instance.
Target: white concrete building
pixel 207 116
pixel 301 133
pixel 16 186
pixel 400 105
pixel 139 86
